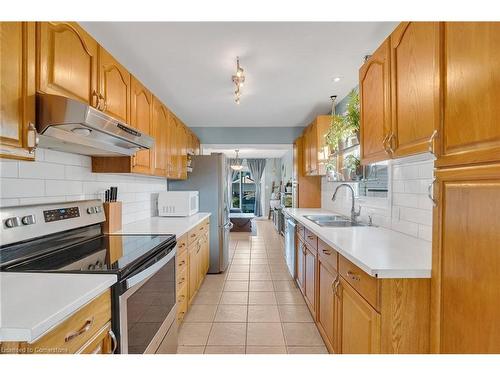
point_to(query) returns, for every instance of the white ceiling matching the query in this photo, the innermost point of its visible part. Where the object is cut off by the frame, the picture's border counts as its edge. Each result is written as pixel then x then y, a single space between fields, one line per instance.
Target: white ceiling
pixel 249 151
pixel 289 66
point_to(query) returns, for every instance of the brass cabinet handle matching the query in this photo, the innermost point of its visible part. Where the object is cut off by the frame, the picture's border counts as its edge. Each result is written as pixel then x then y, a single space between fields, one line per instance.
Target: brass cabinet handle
pixel 181 281
pixel 430 193
pixel 104 103
pixel 384 143
pixel 193 235
pixel 310 237
pixel 114 341
pixel 72 335
pixel 327 252
pixel 182 263
pixel 32 138
pixel 430 142
pixel 97 99
pixel 97 350
pixel 181 299
pixel 353 276
pixel 133 160
pixel 389 141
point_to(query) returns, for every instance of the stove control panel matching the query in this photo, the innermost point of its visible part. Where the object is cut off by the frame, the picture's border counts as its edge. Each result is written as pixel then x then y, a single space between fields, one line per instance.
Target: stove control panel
pixel 61 214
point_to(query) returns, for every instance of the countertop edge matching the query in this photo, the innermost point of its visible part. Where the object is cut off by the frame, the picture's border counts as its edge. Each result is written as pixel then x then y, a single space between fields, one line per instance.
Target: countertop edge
pixel 30 335
pixel 378 273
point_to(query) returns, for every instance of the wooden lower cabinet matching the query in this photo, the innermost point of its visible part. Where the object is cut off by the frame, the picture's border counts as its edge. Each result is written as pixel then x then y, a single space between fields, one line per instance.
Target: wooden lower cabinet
pixel 328 306
pixel 358 313
pixel 310 279
pixel 198 254
pixel 87 331
pixel 360 327
pixel 466 260
pixel 301 260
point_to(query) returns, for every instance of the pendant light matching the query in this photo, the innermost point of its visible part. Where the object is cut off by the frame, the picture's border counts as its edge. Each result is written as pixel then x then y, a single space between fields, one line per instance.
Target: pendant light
pixel 237 163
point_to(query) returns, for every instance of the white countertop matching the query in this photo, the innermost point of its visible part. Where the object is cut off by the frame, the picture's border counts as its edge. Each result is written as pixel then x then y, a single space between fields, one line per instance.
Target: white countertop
pixel 163 225
pixel 33 303
pixel 378 251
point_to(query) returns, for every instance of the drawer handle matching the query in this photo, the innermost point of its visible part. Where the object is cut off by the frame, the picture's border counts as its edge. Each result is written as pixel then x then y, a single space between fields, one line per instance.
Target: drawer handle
pixel 114 341
pixel 327 252
pixel 193 235
pixel 310 237
pixel 81 331
pixel 182 298
pixel 182 263
pixel 97 350
pixel 353 276
pixel 181 281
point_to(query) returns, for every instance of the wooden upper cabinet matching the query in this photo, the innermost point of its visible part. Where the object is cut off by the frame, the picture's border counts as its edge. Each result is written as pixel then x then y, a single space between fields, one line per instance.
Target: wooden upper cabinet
pixel 141 108
pixel 466 260
pixel 114 87
pixel 17 90
pixel 67 61
pixel 415 70
pixel 374 99
pixel 160 134
pixel 360 323
pixel 471 93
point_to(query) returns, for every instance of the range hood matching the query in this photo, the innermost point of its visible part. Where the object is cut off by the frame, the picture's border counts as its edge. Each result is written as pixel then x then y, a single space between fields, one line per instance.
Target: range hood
pixel 69 125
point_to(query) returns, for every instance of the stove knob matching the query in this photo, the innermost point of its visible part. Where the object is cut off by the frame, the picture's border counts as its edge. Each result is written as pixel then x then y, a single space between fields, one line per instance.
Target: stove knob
pixel 98 209
pixel 90 210
pixel 12 222
pixel 28 219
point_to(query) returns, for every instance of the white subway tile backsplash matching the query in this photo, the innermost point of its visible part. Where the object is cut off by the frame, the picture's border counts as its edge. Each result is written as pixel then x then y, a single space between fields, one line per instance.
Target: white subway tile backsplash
pixel 57 177
pixel 41 170
pixel 20 188
pixel 9 168
pixel 407 209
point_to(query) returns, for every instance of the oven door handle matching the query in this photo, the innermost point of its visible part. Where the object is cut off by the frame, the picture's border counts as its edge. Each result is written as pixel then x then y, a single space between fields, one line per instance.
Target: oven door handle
pixel 150 271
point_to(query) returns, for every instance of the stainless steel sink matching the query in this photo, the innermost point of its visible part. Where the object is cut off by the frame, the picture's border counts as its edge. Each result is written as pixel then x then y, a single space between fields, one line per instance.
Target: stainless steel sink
pixel 333 221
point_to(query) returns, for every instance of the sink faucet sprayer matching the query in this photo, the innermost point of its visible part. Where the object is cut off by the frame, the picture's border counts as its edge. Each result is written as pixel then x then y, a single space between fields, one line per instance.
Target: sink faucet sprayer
pixel 354 214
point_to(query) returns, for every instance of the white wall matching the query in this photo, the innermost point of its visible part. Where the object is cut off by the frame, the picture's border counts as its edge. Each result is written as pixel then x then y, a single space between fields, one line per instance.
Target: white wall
pixel 57 177
pixel 407 208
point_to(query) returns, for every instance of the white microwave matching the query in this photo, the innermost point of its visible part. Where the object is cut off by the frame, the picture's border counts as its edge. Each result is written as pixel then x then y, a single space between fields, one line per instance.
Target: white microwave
pixel 178 203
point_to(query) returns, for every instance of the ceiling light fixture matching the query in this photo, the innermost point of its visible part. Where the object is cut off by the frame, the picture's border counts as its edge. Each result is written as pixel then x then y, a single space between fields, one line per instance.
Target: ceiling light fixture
pixel 237 163
pixel 336 79
pixel 238 80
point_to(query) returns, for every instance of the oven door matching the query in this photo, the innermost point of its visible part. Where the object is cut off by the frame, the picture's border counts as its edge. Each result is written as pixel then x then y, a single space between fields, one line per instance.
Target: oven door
pixel 148 308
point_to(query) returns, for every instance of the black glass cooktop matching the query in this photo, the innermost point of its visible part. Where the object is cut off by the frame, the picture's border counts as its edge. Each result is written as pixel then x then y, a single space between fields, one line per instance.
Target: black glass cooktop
pixel 84 250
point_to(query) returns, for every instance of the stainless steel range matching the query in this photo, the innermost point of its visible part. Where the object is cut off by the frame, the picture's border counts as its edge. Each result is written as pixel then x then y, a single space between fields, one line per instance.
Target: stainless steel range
pixel 67 237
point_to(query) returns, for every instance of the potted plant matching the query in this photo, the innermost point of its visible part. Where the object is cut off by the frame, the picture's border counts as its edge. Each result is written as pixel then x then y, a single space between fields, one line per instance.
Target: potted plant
pixel 351 116
pixel 353 167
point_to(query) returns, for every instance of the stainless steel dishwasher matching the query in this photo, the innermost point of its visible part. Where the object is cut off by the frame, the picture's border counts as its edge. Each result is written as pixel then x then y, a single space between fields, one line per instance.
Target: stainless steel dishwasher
pixel 290 244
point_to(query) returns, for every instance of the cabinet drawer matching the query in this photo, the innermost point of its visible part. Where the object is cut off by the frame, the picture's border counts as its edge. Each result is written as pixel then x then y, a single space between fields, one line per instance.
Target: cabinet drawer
pixel 100 343
pixel 182 303
pixel 182 244
pixel 193 235
pixel 364 284
pixel 300 230
pixel 182 278
pixel 311 239
pixel 181 261
pixel 328 254
pixel 203 227
pixel 74 332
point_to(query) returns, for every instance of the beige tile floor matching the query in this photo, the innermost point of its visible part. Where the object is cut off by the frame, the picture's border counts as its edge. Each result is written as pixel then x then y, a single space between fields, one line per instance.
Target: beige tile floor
pixel 254 307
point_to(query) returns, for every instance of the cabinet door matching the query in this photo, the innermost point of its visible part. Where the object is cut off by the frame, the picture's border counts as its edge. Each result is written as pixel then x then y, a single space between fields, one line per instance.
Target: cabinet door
pixel 327 305
pixel 141 119
pixel 471 80
pixel 193 271
pixel 183 145
pixel 310 280
pixel 67 61
pixel 160 129
pixel 466 260
pixel 17 89
pixel 360 323
pixel 374 100
pixel 415 70
pixel 114 87
pixel 314 149
pixel 301 257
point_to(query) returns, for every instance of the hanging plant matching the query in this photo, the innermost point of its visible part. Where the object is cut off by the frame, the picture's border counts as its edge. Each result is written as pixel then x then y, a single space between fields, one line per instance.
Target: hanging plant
pixel 351 117
pixel 343 126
